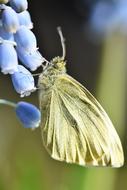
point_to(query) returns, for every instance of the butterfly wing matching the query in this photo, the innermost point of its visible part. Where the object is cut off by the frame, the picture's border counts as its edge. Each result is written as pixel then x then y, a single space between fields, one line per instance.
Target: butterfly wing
pixel 76 129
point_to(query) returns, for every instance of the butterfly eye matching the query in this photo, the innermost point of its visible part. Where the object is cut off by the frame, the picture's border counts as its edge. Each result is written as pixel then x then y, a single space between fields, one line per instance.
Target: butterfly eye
pixel 59 64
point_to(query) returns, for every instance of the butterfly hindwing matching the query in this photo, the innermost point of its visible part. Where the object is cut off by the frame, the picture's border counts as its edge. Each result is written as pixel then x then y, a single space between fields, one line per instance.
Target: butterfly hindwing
pixel 75 128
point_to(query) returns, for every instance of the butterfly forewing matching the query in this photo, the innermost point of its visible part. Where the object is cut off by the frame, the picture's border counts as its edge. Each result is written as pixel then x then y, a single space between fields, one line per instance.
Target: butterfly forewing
pixel 75 128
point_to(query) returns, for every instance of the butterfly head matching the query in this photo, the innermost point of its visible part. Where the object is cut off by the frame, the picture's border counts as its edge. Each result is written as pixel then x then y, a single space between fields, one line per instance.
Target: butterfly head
pixel 59 64
pixel 55 68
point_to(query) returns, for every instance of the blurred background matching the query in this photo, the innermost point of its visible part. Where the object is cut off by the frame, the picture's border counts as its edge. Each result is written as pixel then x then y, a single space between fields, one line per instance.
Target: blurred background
pixel 96 40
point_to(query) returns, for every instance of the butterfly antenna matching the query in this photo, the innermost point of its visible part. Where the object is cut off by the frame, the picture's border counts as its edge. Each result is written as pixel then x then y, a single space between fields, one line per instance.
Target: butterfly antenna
pixel 62 39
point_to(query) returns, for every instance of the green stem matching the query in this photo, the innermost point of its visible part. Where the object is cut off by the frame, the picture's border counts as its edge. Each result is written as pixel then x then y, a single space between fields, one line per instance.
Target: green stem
pixel 8 103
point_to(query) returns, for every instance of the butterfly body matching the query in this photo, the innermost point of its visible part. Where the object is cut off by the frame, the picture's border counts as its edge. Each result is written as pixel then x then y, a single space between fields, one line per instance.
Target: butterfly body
pixel 75 128
pixel 51 72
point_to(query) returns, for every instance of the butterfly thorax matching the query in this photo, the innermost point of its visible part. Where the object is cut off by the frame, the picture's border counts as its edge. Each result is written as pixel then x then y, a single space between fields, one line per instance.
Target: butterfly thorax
pixel 51 72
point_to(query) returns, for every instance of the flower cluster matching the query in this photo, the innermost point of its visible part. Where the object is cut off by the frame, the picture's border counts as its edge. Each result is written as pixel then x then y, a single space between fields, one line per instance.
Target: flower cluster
pixel 109 16
pixel 17 41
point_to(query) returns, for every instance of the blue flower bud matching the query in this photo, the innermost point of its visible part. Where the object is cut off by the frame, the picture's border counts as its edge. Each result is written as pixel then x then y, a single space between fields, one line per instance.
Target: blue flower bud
pixel 8 58
pixel 102 17
pixel 26 39
pixel 108 17
pixel 25 19
pixel 10 20
pixel 6 35
pixel 30 60
pixel 23 81
pixel 19 5
pixel 120 18
pixel 28 114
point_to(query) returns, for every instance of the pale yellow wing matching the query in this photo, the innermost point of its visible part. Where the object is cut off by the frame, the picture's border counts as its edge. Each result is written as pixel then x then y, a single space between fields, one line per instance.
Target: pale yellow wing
pixel 76 129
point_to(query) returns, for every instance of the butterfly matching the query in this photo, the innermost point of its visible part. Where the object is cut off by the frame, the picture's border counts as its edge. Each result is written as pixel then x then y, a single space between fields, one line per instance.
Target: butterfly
pixel 75 128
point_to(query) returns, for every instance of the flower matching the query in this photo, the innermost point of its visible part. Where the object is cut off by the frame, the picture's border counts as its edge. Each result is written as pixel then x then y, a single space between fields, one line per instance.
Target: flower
pixel 28 114
pixel 18 41
pixel 25 19
pixel 10 20
pixel 30 60
pixel 19 5
pixel 25 39
pixel 120 19
pixel 23 81
pixel 101 17
pixel 6 35
pixel 8 58
pixel 108 17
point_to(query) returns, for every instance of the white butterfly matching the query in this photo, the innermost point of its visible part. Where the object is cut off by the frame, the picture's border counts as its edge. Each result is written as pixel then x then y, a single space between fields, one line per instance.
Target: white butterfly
pixel 75 128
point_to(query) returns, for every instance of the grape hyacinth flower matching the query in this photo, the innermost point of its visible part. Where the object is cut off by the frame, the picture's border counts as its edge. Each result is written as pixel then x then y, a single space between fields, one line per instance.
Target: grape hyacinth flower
pixel 30 60
pixel 28 114
pixel 120 20
pixel 25 19
pixel 26 39
pixel 19 5
pixel 108 17
pixel 17 41
pixel 101 16
pixel 23 81
pixel 8 58
pixel 10 20
pixel 6 35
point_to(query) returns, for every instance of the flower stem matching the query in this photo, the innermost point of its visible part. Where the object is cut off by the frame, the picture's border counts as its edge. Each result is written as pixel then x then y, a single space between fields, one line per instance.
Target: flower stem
pixel 8 103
